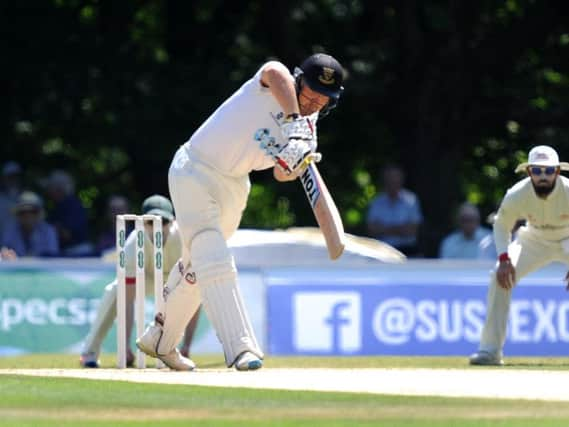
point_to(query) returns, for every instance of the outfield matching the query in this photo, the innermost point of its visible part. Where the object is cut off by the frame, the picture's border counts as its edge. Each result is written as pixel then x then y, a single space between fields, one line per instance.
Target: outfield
pixel 51 400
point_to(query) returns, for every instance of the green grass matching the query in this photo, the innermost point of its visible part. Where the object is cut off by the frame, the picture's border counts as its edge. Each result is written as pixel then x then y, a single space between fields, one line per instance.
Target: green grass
pixel 33 401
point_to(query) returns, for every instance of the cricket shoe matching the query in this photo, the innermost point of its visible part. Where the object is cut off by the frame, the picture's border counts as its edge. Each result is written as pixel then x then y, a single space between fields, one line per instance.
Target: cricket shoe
pixel 148 342
pixel 89 360
pixel 247 361
pixel 485 358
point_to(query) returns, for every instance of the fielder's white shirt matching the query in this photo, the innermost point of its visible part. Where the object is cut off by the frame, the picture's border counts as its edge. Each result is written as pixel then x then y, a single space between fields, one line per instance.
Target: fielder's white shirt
pixel 172 252
pixel 546 219
pixel 229 140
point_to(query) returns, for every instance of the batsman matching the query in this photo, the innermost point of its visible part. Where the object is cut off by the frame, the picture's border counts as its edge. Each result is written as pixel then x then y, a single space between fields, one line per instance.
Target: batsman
pixel 269 122
pixel 106 313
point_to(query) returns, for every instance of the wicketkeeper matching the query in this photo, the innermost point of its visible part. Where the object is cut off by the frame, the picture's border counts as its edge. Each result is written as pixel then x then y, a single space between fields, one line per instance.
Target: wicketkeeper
pixel 153 205
pixel 542 198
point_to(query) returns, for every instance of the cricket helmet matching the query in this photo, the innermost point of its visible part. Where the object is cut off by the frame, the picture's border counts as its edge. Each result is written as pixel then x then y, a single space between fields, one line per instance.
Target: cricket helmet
pixel 323 74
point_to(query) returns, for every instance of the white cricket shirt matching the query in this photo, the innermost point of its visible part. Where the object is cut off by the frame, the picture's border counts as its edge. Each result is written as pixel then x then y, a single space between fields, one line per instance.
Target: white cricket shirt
pixel 546 219
pixel 229 140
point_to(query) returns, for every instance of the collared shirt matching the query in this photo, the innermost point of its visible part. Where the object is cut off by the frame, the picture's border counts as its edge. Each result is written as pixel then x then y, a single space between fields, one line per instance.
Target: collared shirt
pixel 231 140
pixel 42 241
pixel 406 209
pixel 70 214
pixel 456 245
pixel 546 219
pixel 7 203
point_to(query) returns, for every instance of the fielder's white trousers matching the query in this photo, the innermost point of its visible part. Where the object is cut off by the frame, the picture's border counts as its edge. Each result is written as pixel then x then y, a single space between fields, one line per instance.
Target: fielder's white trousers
pixel 527 253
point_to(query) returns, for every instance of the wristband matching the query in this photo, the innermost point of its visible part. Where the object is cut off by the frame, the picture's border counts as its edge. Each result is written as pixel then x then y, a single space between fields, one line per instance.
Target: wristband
pixel 503 257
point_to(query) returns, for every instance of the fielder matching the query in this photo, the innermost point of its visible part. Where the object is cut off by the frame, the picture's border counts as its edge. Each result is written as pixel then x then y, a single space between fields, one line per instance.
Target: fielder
pixel 542 198
pixel 269 121
pixel 153 205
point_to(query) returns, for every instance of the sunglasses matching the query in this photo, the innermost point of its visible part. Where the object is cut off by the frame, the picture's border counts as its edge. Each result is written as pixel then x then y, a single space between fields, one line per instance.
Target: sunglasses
pixel 538 170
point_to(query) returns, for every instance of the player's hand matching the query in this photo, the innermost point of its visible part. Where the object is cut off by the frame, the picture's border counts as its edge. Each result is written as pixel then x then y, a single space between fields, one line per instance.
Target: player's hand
pixel 506 275
pixel 312 157
pixel 295 157
pixel 297 127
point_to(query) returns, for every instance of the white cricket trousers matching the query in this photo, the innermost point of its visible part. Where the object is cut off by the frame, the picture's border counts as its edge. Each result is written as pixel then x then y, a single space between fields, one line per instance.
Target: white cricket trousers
pixel 208 207
pixel 528 253
pixel 203 198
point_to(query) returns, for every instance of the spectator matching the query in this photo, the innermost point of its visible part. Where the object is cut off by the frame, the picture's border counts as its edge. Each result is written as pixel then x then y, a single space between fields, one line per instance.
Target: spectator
pixel 394 216
pixel 464 242
pixel 116 205
pixel 68 215
pixel 10 190
pixel 28 234
pixel 487 246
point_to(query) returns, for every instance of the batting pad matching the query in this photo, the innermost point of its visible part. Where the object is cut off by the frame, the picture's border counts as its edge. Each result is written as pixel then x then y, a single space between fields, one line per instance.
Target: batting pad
pixel 182 301
pixel 174 278
pixel 217 279
pixel 105 317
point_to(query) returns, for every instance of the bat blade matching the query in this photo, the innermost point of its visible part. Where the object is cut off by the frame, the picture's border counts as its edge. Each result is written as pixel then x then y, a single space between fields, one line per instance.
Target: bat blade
pixel 325 211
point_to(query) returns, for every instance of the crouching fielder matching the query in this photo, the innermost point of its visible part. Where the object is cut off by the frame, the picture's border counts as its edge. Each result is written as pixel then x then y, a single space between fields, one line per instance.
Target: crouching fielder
pixel 269 122
pixel 153 205
pixel 542 198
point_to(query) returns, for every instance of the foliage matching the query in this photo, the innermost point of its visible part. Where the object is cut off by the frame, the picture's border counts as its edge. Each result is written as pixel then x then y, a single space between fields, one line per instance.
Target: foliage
pixel 457 92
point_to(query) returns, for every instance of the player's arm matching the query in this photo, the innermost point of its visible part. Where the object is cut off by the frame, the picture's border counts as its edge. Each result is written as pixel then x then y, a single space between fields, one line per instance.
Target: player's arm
pixel 281 176
pixel 298 132
pixel 277 78
pixel 503 224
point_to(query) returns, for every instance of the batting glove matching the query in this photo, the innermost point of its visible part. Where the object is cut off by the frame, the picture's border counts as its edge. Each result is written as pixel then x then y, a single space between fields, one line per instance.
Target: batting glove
pixel 297 127
pixel 295 156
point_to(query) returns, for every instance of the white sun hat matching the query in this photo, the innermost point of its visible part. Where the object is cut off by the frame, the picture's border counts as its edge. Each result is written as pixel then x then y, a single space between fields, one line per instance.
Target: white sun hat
pixel 542 155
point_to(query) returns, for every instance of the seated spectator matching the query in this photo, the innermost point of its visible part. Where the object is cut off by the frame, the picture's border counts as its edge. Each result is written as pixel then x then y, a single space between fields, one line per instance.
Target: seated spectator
pixel 10 190
pixel 464 242
pixel 394 216
pixel 28 234
pixel 68 215
pixel 487 246
pixel 116 205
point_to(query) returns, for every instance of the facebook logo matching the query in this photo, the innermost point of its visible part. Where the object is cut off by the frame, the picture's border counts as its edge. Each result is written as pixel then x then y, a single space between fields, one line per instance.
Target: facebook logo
pixel 327 322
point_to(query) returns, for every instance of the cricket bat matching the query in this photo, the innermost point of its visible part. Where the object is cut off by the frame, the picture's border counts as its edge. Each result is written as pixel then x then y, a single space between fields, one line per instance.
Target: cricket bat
pixel 325 211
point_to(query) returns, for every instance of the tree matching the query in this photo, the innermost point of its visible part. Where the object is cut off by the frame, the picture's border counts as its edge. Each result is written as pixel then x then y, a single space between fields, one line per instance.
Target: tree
pixel 457 92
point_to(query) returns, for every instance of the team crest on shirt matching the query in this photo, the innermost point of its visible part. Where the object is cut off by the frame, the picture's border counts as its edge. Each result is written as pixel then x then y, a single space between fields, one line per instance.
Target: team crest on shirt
pixel 267 142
